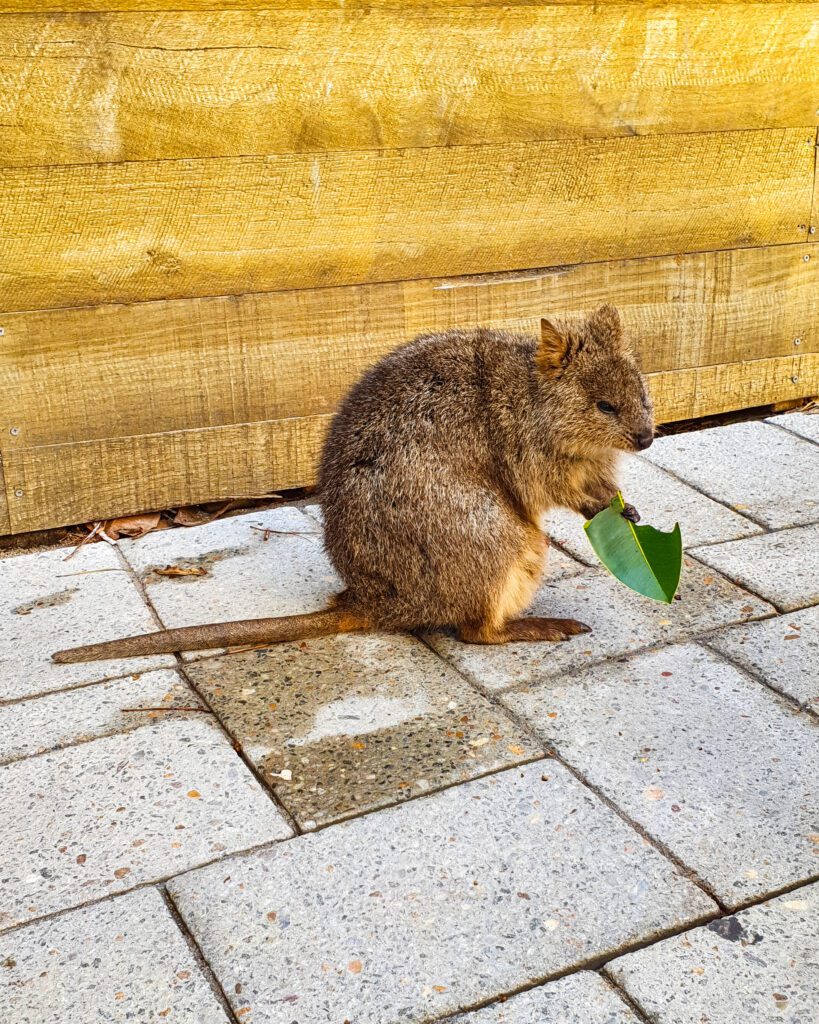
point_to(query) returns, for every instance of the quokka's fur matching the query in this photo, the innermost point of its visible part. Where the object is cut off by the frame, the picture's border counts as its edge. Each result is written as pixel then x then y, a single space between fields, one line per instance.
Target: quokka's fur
pixel 437 469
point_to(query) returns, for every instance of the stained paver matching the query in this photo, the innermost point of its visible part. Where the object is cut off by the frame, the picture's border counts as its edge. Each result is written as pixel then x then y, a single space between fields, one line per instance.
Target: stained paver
pixel 622 622
pixel 433 905
pixel 582 998
pixel 59 719
pixel 783 651
pixel 251 566
pixel 47 603
pixel 781 567
pixel 765 473
pixel 102 817
pixel 760 965
pixel 662 500
pixel 802 423
pixel 708 761
pixel 120 960
pixel 350 723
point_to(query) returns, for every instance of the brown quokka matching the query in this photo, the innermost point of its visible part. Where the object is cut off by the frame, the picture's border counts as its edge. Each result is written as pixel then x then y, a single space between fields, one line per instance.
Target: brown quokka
pixel 436 471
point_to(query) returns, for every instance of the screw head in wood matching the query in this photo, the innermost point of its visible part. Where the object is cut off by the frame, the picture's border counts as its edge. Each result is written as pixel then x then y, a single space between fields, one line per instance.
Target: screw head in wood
pixel 14 431
pixel 794 380
pixel 806 258
pixel 797 341
pixel 2 331
pixel 18 493
pixel 811 231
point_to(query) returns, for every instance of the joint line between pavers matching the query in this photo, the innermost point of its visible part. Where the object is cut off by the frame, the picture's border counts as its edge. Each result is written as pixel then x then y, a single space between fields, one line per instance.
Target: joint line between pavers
pixel 639 1011
pixel 791 703
pixel 182 670
pixel 743 514
pixel 793 433
pixel 198 955
pixel 78 686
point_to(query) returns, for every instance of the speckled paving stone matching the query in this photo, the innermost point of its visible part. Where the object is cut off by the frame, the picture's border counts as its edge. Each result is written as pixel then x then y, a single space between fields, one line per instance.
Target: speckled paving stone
pixel 783 651
pixel 708 761
pixel 255 566
pixel 47 603
pixel 45 723
pixel 582 998
pixel 622 622
pixel 801 423
pixel 782 567
pixel 357 722
pixel 760 966
pixel 766 474
pixel 102 817
pixel 431 906
pixel 117 961
pixel 662 501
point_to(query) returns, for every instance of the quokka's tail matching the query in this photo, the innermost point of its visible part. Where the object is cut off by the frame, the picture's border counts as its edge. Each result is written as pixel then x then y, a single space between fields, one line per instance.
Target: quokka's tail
pixel 219 634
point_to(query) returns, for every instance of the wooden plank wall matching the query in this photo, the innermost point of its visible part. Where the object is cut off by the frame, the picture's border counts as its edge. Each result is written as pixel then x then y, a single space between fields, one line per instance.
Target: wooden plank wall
pixel 215 215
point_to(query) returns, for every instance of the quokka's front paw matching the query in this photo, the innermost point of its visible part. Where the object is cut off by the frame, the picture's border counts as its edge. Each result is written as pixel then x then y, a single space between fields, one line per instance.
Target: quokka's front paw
pixel 630 512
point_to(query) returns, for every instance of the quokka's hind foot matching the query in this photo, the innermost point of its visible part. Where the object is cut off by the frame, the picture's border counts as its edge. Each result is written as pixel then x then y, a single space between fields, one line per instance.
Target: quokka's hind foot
pixel 529 630
pixel 536 628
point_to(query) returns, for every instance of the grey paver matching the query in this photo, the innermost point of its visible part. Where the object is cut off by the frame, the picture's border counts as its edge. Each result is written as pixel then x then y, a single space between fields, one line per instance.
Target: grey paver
pixel 801 423
pixel 783 651
pixel 102 817
pixel 762 472
pixel 45 723
pixel 760 965
pixel 249 573
pixel 622 622
pixel 117 961
pixel 708 761
pixel 662 501
pixel 431 906
pixel 357 722
pixel 781 567
pixel 582 998
pixel 47 603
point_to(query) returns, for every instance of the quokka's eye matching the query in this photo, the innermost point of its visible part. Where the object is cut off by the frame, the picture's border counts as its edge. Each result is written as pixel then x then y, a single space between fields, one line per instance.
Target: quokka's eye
pixel 608 408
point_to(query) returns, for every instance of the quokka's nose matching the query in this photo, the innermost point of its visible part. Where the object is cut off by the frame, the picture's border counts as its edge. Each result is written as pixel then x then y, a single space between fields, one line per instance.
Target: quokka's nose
pixel 645 439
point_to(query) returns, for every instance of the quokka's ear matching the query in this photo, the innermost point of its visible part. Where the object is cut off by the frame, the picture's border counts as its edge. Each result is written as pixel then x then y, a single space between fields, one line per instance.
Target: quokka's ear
pixel 606 326
pixel 553 351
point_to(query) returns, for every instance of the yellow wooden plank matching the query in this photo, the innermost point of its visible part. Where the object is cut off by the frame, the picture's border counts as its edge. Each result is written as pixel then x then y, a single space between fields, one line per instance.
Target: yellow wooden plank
pixel 216 6
pixel 57 485
pixel 198 84
pixel 84 234
pixel 707 390
pixel 112 371
pixel 5 522
pixel 61 484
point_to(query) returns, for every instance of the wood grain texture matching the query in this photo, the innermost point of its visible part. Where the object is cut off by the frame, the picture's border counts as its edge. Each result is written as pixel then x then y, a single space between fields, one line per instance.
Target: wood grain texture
pixel 85 234
pixel 5 521
pixel 146 87
pixel 113 371
pixel 72 483
pixel 73 6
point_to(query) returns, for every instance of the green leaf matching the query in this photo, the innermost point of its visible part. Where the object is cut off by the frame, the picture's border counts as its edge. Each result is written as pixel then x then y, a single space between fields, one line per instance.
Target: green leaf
pixel 647 560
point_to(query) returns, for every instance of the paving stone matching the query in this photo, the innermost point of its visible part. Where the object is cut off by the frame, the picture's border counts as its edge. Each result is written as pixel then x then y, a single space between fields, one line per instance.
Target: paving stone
pixel 99 818
pixel 782 567
pixel 707 760
pixel 662 501
pixel 120 960
pixel 357 722
pixel 622 622
pixel 764 473
pixel 59 719
pixel 760 965
pixel 582 998
pixel 783 651
pixel 802 423
pixel 47 603
pixel 431 906
pixel 249 573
